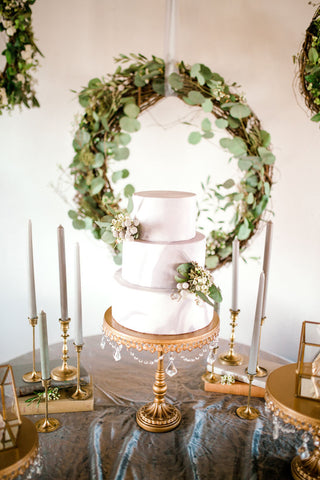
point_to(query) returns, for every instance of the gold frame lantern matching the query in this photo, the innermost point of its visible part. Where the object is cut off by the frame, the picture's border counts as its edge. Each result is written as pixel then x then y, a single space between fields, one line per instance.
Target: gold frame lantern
pixel 308 363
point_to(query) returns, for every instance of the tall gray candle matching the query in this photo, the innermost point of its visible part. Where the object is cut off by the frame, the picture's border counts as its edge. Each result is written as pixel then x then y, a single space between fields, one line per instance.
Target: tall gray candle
pixel 62 274
pixel 78 310
pixel 32 290
pixel 266 265
pixel 254 349
pixel 44 350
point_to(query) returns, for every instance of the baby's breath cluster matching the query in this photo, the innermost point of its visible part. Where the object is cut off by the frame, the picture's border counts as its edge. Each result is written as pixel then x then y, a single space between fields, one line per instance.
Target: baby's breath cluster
pixel 197 280
pixel 200 280
pixel 124 228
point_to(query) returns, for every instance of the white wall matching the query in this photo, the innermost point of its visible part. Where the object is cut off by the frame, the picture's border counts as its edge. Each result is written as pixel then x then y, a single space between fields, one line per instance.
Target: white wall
pixel 246 41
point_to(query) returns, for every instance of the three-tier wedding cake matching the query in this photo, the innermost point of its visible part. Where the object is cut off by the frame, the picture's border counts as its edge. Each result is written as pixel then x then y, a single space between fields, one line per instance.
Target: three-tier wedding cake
pixel 142 297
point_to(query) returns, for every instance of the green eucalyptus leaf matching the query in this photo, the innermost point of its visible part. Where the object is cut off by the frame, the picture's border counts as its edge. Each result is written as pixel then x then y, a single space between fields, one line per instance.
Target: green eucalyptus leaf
pixel 82 137
pixel 183 269
pixel 72 214
pixel 250 198
pixel 215 294
pixel 206 125
pixel 316 117
pixel 129 124
pixel 204 298
pixel 196 98
pixel 235 145
pixel 131 110
pixel 124 139
pixel 228 183
pixel 221 123
pixel 117 259
pixel 130 205
pixel 128 190
pixel 97 185
pixel 78 224
pixel 212 261
pixel 240 111
pixel 244 230
pixel 194 138
pixel 252 180
pixel 267 157
pixel 121 153
pixel 267 188
pixel 313 55
pixel 120 174
pixel 207 105
pixel 175 81
pixel 244 163
pixel 225 251
pixel 138 81
pixel 265 138
pixel 158 86
pixel 233 122
pixel 84 100
pixel 208 135
pixel 94 82
pixel 98 160
pixel 108 237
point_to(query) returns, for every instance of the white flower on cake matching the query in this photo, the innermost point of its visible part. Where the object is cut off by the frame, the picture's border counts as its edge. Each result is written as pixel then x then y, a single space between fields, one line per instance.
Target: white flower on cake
pixel 197 280
pixel 124 228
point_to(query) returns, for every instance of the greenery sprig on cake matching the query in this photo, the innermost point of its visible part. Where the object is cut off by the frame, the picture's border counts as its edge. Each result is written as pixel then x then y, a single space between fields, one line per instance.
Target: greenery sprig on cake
pixel 309 67
pixel 112 106
pixel 123 227
pixel 195 279
pixel 20 52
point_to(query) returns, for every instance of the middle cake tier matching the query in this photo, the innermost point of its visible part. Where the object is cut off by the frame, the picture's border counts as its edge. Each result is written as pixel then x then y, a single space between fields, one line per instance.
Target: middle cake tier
pixel 154 264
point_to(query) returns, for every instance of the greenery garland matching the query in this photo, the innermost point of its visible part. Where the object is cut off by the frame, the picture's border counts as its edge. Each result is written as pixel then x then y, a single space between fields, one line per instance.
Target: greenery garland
pixel 309 67
pixel 16 82
pixel 112 107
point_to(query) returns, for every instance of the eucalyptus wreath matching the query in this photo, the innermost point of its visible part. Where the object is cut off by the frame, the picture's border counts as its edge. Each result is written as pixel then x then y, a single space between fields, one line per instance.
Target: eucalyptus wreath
pixel 309 67
pixel 16 82
pixel 111 110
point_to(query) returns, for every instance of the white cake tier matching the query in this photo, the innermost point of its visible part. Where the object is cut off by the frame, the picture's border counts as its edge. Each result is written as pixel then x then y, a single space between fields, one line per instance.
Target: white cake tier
pixel 148 310
pixel 154 264
pixel 165 216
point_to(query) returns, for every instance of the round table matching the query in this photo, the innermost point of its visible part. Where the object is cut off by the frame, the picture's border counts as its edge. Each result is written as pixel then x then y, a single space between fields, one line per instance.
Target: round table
pixel 303 413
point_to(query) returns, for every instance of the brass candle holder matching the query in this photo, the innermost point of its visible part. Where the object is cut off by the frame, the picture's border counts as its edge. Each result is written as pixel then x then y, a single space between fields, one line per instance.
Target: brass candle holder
pixel 65 372
pixel 34 376
pixel 230 357
pixel 212 377
pixel 79 394
pixel 246 412
pixel 46 425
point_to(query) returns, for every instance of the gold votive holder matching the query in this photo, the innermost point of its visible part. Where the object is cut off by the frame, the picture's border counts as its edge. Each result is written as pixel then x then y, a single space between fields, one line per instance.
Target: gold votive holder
pixel 65 372
pixel 46 424
pixel 247 412
pixel 80 393
pixel 211 376
pixel 230 357
pixel 34 376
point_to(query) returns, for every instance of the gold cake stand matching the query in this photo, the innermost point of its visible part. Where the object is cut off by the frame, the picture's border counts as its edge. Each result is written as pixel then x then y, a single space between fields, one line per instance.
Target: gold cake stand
pixel 159 416
pixel 16 460
pixel 303 413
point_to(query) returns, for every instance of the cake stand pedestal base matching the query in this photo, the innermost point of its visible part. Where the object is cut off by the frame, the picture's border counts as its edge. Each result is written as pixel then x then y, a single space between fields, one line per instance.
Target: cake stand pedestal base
pixel 308 469
pixel 159 416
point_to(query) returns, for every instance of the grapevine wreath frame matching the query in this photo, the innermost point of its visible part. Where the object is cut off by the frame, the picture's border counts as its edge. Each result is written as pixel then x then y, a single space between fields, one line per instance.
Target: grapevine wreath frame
pixel 16 81
pixel 111 110
pixel 309 67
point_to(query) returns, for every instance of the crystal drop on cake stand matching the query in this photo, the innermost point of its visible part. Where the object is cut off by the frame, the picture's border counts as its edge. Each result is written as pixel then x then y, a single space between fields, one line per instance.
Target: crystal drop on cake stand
pixel 117 354
pixel 171 368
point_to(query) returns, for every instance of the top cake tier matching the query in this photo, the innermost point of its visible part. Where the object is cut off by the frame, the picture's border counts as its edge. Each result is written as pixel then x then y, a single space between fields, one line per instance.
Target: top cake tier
pixel 165 216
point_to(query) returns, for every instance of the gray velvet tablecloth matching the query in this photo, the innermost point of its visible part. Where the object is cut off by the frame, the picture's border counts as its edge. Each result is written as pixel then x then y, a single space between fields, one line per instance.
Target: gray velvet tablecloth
pixel 211 443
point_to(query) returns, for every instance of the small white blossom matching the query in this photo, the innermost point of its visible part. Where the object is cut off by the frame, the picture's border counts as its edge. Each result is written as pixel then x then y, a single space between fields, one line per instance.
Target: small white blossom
pixel 20 78
pixel 185 285
pixel 11 31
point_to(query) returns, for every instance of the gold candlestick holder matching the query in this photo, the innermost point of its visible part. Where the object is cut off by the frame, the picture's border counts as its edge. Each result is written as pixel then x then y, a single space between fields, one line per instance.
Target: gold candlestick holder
pixel 230 357
pixel 79 394
pixel 212 377
pixel 246 412
pixel 34 376
pixel 65 372
pixel 46 425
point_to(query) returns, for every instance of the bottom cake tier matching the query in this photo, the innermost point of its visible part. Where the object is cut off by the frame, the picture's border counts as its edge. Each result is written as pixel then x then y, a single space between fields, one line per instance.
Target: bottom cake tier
pixel 150 310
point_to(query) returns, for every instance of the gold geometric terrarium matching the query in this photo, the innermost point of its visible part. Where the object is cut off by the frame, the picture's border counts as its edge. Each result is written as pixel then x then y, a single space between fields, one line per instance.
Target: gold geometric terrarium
pixel 10 419
pixel 308 364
